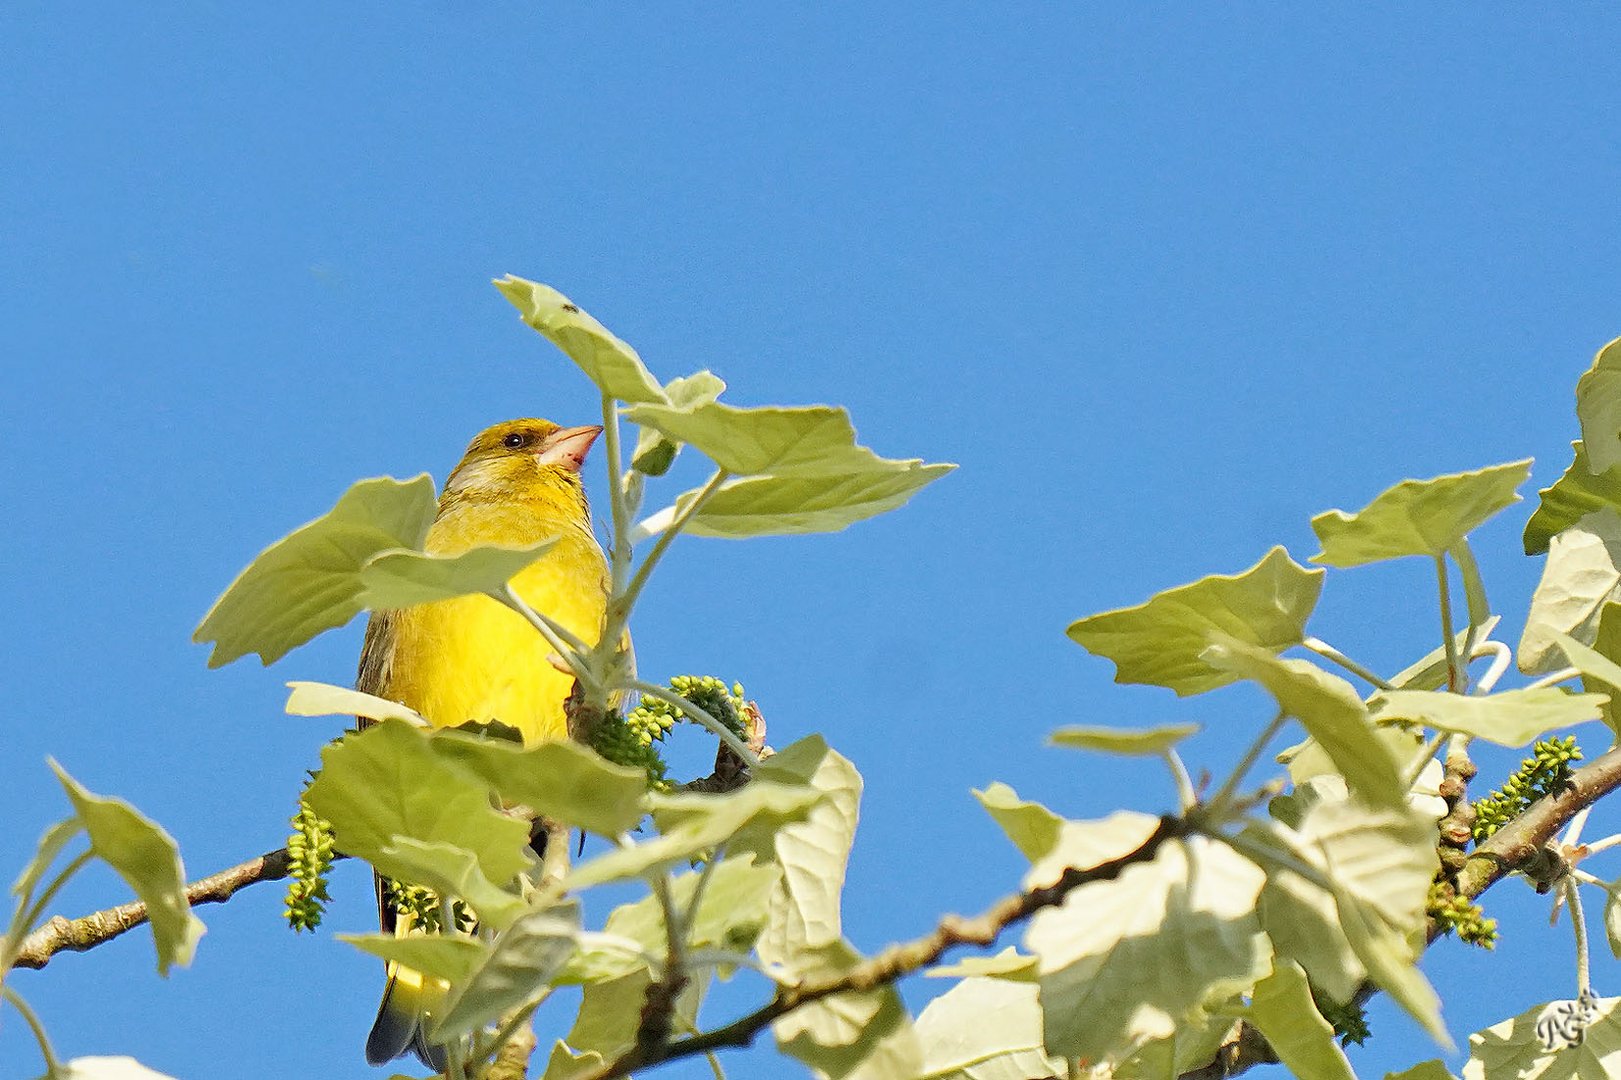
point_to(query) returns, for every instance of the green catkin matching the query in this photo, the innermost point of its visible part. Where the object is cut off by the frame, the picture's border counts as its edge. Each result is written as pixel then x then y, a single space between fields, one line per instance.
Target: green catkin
pixel 309 850
pixel 1546 771
pixel 632 738
pixel 1462 916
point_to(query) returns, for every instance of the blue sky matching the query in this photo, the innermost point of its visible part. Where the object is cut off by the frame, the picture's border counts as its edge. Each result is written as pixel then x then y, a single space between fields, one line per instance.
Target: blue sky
pixel 1165 281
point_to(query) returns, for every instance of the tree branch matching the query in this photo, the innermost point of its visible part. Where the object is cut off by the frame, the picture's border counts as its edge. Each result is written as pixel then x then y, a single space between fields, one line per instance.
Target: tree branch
pixel 897 960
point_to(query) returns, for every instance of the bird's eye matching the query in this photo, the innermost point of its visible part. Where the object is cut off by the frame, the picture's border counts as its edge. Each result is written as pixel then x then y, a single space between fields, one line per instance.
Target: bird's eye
pixel 513 441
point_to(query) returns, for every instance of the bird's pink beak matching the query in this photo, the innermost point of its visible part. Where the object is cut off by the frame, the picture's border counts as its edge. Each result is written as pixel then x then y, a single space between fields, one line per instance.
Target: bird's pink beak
pixel 567 447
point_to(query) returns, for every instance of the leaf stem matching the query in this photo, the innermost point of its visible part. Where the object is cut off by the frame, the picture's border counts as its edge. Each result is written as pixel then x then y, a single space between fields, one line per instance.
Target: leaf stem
pixel 52 1065
pixel 619 555
pixel 1455 677
pixel 1578 923
pixel 1186 796
pixel 1502 656
pixel 1261 854
pixel 563 641
pixel 1247 762
pixel 1604 844
pixel 1554 679
pixel 718 729
pixel 38 907
pixel 1328 652
pixel 1426 753
pixel 625 601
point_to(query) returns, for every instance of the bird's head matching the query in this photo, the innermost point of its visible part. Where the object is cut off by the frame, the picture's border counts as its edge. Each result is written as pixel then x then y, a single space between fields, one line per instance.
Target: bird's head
pixel 522 459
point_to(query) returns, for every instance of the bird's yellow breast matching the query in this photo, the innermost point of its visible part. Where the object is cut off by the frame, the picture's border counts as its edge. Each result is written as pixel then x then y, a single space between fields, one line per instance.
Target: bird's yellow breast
pixel 472 658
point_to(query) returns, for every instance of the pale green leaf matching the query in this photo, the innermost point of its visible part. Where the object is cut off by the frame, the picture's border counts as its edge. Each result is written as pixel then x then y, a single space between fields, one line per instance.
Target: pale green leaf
pixel 522 959
pixel 387 782
pixel 1595 664
pixel 1572 497
pixel 607 361
pixel 778 440
pixel 1515 1049
pixel 1127 960
pixel 1434 1069
pixel 560 780
pixel 610 1011
pixel 1508 718
pixel 1282 1009
pixel 107 1068
pixel 449 958
pixel 1474 586
pixel 1417 517
pixel 1131 741
pixel 51 843
pixel 309 581
pixel 655 451
pixel 1194 1046
pixel 694 823
pixel 804 909
pixel 1582 573
pixel 984 1029
pixel 324 699
pixel 1161 642
pixel 807 502
pixel 148 860
pixel 1010 963
pixel 861 1035
pixel 1598 408
pixel 449 871
pixel 565 1064
pixel 1033 828
pixel 1612 919
pixel 1331 712
pixel 1430 673
pixel 396 579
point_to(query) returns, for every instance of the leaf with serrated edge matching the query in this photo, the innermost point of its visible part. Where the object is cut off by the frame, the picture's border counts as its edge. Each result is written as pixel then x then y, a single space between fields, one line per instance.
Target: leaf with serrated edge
pixel 1582 573
pixel 563 781
pixel 397 579
pixel 387 782
pixel 607 361
pixel 1508 718
pixel 984 1029
pixel 324 699
pixel 1160 642
pixel 449 871
pixel 1282 1009
pixel 522 959
pixel 450 958
pixel 107 1068
pixel 655 452
pixel 1107 740
pixel 1010 963
pixel 1598 408
pixel 309 581
pixel 1514 1048
pixel 1572 497
pixel 1033 828
pixel 773 439
pixel 1127 960
pixel 1331 712
pixel 148 860
pixel 861 1035
pixel 1417 517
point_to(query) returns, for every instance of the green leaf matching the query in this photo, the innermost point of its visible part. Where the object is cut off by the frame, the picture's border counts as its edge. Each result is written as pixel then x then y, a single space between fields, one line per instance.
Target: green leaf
pixel 1033 828
pixel 309 580
pixel 773 439
pixel 324 699
pixel 564 1064
pixel 1430 673
pixel 1595 664
pixel 1127 960
pixel 1514 1048
pixel 449 871
pixel 148 860
pixel 1382 861
pixel 1612 919
pixel 1161 642
pixel 450 958
pixel 563 781
pixel 655 452
pixel 1417 517
pixel 610 1011
pixel 691 824
pixel 866 1035
pixel 1598 408
pixel 804 910
pixel 396 579
pixel 1474 587
pixel 1282 1009
pixel 1010 963
pixel 1508 718
pixel 1331 712
pixel 1434 1069
pixel 805 503
pixel 51 843
pixel 1572 497
pixel 522 960
pixel 1582 574
pixel 984 1029
pixel 106 1068
pixel 1133 741
pixel 607 361
pixel 1194 1046
pixel 388 782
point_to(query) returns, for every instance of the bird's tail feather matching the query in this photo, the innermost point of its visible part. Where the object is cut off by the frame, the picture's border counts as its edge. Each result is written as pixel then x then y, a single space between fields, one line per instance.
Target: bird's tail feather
pixel 399 1026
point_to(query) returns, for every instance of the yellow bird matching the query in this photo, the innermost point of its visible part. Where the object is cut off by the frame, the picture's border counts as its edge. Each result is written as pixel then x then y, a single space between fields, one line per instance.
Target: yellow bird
pixel 472 658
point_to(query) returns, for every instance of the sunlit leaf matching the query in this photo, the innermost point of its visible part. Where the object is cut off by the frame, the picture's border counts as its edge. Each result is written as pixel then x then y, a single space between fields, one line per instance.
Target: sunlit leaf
pixel 449 871
pixel 1474 587
pixel 1598 408
pixel 1130 741
pixel 1430 673
pixel 1033 828
pixel 1161 642
pixel 324 699
pixel 1330 710
pixel 778 440
pixel 1127 960
pixel 563 781
pixel 804 908
pixel 148 860
pixel 396 579
pixel 1194 1046
pixel 1572 497
pixel 610 1012
pixel 1600 674
pixel 1010 963
pixel 387 781
pixel 1521 1048
pixel 607 361
pixel 1434 1069
pixel 1282 1009
pixel 450 958
pixel 863 1035
pixel 522 959
pixel 565 1064
pixel 1612 919
pixel 51 843
pixel 1582 573
pixel 107 1068
pixel 1508 718
pixel 655 451
pixel 309 580
pixel 984 1029
pixel 1417 517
